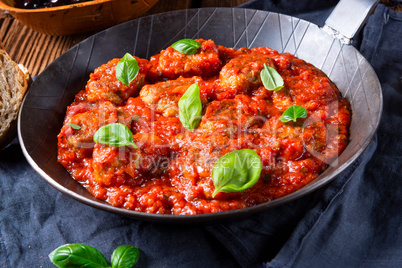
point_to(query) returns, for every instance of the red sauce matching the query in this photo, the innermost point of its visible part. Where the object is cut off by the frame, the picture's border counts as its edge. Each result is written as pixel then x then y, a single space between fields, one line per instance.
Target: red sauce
pixel 170 172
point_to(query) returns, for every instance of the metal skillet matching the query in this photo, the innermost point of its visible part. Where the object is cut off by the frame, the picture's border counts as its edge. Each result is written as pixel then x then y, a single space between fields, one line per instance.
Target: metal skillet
pixel 327 48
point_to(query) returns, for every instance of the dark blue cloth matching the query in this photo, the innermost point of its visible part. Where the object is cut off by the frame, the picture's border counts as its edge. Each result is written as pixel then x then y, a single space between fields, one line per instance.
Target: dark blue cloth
pixel 355 221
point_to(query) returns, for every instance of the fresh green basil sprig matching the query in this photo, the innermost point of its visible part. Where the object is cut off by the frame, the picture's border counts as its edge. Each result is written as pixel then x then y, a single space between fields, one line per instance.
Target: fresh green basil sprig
pixel 271 79
pixel 292 113
pixel 79 255
pixel 127 69
pixel 187 46
pixel 190 107
pixel 236 171
pixel 115 134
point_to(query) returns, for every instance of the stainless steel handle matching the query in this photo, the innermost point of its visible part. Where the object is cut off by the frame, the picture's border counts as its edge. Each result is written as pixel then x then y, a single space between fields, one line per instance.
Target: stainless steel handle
pixel 348 17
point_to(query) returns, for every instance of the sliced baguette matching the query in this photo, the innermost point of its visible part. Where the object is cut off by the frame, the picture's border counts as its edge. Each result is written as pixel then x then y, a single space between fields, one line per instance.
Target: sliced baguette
pixel 13 85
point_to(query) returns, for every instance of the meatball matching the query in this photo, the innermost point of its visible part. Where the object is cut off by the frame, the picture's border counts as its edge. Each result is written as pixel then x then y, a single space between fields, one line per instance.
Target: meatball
pixel 163 97
pixel 75 145
pixel 232 115
pixel 171 64
pixel 241 75
pixel 103 84
pixel 89 117
pixel 117 165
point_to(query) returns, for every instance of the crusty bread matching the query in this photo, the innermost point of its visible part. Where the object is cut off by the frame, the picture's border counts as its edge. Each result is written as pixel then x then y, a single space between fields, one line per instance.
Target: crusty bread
pixel 13 85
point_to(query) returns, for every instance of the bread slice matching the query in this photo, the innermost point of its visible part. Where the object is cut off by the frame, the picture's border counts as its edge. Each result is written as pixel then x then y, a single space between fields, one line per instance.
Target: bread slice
pixel 13 85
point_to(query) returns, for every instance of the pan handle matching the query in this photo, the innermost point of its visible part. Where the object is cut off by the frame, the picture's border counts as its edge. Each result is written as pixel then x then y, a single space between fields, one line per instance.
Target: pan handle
pixel 348 17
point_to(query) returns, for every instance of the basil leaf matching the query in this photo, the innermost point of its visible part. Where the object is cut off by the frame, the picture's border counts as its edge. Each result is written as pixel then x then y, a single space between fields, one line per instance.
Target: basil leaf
pixel 236 171
pixel 190 107
pixel 115 134
pixel 74 126
pixel 78 255
pixel 127 69
pixel 292 113
pixel 271 79
pixel 125 256
pixel 187 46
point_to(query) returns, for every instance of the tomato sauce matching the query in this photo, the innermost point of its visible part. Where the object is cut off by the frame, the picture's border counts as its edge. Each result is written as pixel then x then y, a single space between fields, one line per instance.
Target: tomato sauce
pixel 170 171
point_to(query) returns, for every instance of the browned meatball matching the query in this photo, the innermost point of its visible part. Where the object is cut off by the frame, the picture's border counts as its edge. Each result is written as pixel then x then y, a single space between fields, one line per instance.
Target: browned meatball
pixel 89 117
pixel 171 64
pixel 232 115
pixel 163 97
pixel 118 165
pixel 241 75
pixel 103 84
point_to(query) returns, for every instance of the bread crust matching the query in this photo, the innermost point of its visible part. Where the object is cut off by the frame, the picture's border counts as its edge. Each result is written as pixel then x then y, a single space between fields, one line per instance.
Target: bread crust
pixel 13 86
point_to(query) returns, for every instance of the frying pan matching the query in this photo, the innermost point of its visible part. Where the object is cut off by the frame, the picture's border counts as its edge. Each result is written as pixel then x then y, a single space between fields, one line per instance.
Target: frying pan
pixel 44 107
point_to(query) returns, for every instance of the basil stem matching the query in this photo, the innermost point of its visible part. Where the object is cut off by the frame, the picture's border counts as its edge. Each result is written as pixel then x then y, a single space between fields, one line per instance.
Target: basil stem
pixel 115 134
pixel 125 256
pixel 74 126
pixel 236 171
pixel 127 69
pixel 77 255
pixel 271 79
pixel 292 113
pixel 190 107
pixel 187 46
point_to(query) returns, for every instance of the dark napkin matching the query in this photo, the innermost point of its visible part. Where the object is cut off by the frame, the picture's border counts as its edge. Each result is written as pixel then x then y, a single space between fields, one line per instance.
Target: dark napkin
pixel 354 221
